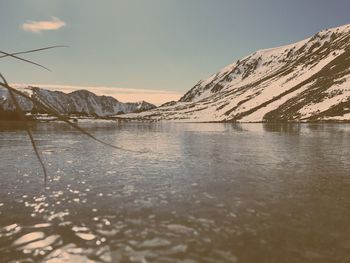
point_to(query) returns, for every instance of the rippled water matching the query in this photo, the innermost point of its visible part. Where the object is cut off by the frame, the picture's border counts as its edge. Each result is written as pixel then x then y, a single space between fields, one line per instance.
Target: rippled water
pixel 194 193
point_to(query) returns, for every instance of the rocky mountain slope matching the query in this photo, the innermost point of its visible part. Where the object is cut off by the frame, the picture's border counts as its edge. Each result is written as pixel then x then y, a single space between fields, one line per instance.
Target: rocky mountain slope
pixel 305 81
pixel 81 102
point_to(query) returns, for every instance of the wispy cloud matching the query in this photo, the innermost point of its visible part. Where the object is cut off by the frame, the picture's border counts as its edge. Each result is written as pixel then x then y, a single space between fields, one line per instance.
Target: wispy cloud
pixel 156 97
pixel 39 26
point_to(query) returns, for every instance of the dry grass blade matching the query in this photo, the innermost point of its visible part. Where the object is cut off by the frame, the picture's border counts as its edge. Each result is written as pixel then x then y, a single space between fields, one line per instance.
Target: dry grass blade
pixel 32 51
pixel 53 112
pixel 45 106
pixel 21 114
pixel 25 60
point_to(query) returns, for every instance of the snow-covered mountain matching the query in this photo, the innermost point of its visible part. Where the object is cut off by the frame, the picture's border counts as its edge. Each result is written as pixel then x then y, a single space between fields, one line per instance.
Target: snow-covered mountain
pixel 305 81
pixel 80 102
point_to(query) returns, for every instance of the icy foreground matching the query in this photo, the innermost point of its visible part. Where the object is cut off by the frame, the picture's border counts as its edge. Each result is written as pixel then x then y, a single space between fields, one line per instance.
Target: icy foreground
pixel 78 102
pixel 305 81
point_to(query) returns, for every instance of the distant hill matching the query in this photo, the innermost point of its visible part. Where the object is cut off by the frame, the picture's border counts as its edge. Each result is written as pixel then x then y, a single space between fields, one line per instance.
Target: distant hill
pixel 81 102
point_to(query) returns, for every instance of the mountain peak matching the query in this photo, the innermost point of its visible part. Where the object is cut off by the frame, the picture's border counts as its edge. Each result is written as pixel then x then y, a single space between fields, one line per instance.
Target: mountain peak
pixel 303 81
pixel 81 102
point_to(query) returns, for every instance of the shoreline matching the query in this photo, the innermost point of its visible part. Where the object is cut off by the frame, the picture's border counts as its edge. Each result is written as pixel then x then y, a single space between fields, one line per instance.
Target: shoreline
pixel 126 120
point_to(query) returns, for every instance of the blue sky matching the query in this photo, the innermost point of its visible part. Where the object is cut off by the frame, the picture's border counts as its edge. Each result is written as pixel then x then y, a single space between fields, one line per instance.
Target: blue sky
pixel 150 45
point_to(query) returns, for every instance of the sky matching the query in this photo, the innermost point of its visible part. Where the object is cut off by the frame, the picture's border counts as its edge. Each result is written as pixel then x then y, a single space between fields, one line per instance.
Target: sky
pixel 149 49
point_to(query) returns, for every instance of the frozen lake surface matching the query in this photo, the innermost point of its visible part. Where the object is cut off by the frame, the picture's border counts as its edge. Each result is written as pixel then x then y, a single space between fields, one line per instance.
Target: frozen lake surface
pixel 193 193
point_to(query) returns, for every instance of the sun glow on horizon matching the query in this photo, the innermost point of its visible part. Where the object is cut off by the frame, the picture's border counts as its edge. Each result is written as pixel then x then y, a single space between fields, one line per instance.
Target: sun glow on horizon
pixel 153 96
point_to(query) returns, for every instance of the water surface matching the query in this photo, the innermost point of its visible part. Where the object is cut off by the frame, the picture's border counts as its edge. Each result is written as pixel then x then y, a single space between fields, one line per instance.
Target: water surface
pixel 192 193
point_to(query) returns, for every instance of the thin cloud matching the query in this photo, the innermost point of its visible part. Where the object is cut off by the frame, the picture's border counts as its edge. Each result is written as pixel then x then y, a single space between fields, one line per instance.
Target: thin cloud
pixel 156 97
pixel 39 26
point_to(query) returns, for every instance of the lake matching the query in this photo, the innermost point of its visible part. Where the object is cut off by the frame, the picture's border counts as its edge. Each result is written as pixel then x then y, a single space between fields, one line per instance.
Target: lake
pixel 185 193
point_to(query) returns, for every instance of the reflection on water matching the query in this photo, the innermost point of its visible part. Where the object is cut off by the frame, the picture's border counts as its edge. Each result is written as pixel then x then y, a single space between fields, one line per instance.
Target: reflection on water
pixel 195 193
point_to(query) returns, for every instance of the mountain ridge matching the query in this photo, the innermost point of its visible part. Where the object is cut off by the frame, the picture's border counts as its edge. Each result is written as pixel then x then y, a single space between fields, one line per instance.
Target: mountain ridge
pixel 305 81
pixel 80 102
